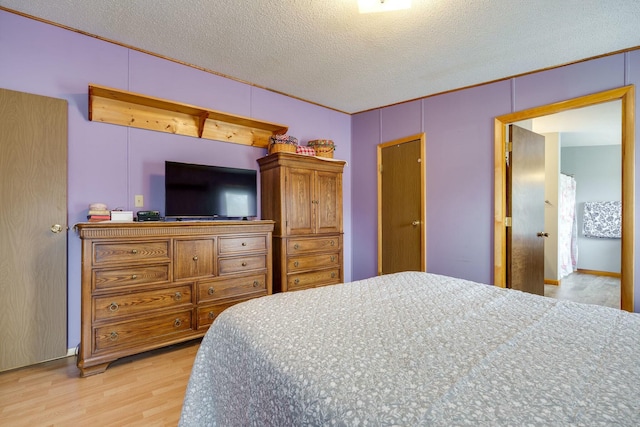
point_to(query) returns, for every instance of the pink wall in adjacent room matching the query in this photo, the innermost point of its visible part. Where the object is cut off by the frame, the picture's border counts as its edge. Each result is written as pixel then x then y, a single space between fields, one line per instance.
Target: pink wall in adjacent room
pixel 459 148
pixel 111 164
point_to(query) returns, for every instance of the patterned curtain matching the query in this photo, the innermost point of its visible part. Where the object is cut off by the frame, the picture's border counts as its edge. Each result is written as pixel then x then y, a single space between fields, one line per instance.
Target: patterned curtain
pixel 567 227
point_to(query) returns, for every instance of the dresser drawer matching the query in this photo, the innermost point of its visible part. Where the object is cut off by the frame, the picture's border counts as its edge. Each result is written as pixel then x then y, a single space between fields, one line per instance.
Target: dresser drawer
pixel 107 253
pixel 295 246
pixel 119 277
pixel 307 262
pixel 313 278
pixel 240 264
pixel 145 329
pixel 232 288
pixel 207 314
pixel 233 245
pixel 117 306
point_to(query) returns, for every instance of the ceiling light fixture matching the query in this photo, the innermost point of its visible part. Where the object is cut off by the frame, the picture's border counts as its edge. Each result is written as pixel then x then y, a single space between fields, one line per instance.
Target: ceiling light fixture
pixel 370 6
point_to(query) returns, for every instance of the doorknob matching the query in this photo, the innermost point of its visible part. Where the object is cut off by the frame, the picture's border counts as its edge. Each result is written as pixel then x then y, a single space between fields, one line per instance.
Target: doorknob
pixel 56 228
pixel 414 223
pixel 542 234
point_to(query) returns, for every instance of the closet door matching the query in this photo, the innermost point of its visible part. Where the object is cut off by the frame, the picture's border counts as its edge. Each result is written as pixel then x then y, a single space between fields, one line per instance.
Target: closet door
pixel 33 228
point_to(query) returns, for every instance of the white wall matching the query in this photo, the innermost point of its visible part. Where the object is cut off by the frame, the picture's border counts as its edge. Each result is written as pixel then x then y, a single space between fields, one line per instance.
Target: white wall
pixel 551 190
pixel 598 175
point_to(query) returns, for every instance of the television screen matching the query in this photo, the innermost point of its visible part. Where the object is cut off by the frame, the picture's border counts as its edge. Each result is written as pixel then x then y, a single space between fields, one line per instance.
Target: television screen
pixel 201 191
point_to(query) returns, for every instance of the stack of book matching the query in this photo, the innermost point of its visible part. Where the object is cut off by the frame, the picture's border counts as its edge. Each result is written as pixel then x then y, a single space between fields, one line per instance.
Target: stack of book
pixel 95 215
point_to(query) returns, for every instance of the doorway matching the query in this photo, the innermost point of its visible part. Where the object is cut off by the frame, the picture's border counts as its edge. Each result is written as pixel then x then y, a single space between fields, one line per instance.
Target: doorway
pixel 582 173
pixel 627 97
pixel 401 205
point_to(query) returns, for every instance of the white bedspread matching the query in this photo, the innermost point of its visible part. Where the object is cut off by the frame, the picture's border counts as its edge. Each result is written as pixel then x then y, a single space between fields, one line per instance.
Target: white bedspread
pixel 413 349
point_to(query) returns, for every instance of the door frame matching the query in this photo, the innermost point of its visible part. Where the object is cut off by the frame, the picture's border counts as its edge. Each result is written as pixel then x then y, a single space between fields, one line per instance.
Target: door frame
pixel 423 195
pixel 626 95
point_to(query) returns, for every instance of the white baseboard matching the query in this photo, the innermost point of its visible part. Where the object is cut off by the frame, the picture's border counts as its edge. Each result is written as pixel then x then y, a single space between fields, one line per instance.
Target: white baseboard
pixel 71 352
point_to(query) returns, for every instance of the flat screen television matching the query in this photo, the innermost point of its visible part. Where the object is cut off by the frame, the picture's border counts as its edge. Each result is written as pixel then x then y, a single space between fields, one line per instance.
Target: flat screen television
pixel 209 192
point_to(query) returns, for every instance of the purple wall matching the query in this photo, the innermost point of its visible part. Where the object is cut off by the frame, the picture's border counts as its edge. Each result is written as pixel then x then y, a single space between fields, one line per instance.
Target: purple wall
pixel 111 164
pixel 459 146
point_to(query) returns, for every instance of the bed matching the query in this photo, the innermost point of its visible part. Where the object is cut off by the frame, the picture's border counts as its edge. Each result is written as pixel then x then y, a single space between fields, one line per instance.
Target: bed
pixel 413 349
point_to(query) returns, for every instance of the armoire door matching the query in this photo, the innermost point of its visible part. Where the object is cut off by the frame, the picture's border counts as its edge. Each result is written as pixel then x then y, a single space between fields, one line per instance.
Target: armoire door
pixel 300 197
pixel 328 202
pixel 33 228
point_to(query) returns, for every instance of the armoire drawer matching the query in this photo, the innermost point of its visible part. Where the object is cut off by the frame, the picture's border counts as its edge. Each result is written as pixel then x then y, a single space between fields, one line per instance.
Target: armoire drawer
pixel 113 278
pixel 308 262
pixel 312 279
pixel 144 329
pixel 121 305
pixel 232 288
pixel 242 244
pixel 241 264
pixel 111 253
pixel 295 246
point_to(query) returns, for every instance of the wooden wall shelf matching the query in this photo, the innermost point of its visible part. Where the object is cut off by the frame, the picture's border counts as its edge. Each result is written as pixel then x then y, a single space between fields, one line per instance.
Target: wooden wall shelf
pixel 132 109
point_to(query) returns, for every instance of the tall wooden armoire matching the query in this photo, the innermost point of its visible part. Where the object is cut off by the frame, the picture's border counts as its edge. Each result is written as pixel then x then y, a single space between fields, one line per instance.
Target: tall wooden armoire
pixel 303 194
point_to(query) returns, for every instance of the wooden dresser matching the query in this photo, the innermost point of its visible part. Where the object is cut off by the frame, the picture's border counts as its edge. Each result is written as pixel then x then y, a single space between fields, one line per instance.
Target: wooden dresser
pixel 303 194
pixel 153 284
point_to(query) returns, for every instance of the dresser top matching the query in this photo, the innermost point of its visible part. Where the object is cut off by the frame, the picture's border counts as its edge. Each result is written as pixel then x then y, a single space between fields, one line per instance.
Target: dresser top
pixel 111 229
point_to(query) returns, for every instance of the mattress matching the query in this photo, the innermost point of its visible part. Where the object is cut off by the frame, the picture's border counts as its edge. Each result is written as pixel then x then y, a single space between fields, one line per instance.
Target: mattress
pixel 413 349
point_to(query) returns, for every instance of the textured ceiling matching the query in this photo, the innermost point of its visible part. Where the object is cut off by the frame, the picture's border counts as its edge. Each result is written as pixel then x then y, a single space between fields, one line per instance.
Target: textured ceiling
pixel 325 52
pixel 599 124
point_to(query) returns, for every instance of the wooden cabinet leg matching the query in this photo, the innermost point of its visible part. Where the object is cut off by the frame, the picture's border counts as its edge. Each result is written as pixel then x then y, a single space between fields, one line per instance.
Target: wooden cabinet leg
pixel 93 370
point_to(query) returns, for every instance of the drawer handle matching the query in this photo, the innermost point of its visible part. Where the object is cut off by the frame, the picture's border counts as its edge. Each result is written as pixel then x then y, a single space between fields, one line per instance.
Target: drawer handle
pixel 244 243
pixel 295 264
pixel 113 336
pixel 195 257
pixel 113 307
pixel 212 315
pixel 333 275
pixel 296 246
pixel 134 276
pixel 178 296
pixel 134 251
pixel 333 258
pixel 211 291
pixel 244 263
pixel 177 323
pixel 297 281
pixel 256 283
pixel 333 243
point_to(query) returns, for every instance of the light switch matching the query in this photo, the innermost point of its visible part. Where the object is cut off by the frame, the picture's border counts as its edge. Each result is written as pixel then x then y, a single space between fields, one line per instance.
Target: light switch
pixel 139 201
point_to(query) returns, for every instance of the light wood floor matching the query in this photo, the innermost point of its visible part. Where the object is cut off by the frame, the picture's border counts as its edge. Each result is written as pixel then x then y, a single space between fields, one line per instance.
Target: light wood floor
pixel 142 390
pixel 148 389
pixel 587 288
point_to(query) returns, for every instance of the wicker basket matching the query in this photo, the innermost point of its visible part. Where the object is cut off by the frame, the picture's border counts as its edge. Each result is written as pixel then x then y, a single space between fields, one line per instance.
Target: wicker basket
pixel 280 147
pixel 323 147
pixel 282 143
